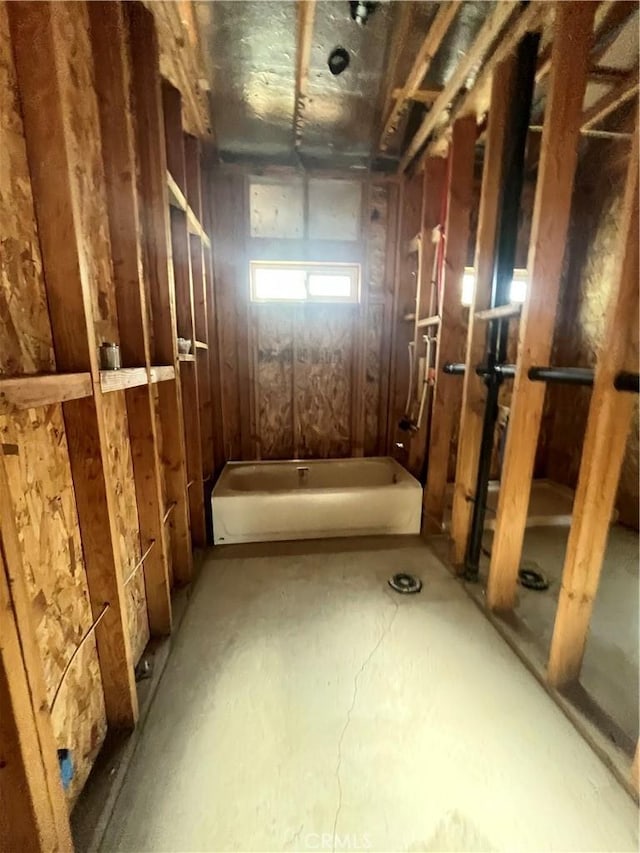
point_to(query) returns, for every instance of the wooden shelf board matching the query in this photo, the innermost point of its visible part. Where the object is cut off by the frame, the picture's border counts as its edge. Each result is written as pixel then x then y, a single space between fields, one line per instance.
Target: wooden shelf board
pixel 176 196
pixel 126 377
pixel 27 392
pixel 184 356
pixel 201 345
pixel 162 373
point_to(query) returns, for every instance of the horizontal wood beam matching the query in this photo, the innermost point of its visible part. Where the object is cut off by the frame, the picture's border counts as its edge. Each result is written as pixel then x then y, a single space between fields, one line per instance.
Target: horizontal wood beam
pixel 162 373
pixel 29 392
pixel 421 96
pixel 126 377
pixel 550 222
pixel 608 425
pixel 428 49
pixel 490 30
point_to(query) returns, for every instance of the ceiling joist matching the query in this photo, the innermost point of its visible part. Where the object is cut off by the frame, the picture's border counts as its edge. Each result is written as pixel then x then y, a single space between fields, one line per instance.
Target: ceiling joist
pixel 420 67
pixel 306 11
pixel 610 102
pixel 477 100
pixel 491 29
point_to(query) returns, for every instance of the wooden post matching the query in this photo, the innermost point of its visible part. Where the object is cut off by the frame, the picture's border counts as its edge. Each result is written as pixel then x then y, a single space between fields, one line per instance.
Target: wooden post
pixel 608 424
pixel 109 45
pixel 154 201
pixel 473 389
pixel 49 103
pixel 453 323
pixel 433 187
pixel 33 810
pixel 552 206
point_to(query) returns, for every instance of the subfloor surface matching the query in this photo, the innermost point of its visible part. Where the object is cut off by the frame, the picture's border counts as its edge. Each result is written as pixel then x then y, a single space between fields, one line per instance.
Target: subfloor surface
pixel 305 706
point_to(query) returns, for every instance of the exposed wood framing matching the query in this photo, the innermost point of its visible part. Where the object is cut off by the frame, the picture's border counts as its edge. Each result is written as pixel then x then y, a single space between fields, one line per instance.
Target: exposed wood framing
pixel 492 27
pixel 26 392
pixel 610 102
pixel 473 389
pixel 477 100
pixel 560 137
pixel 154 203
pixel 306 12
pixel 404 13
pixel 608 425
pixel 611 17
pixel 434 186
pixel 437 31
pixel 453 328
pixel 48 108
pixel 109 42
pixel 33 810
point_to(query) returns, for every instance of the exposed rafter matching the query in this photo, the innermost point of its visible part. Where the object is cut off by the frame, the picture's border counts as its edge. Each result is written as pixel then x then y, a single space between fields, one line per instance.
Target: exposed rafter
pixel 477 100
pixel 306 12
pixel 610 102
pixel 491 29
pixel 421 65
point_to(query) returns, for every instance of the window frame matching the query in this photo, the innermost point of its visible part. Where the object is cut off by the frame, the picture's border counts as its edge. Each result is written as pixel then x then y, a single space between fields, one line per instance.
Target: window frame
pixel 351 268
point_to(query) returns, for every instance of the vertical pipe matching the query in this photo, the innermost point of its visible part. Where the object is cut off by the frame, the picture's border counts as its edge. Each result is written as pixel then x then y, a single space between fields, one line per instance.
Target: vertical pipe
pixel 498 331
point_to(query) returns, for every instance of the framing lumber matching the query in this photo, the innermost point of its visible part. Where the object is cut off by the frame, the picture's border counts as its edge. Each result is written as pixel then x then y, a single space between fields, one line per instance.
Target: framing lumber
pixel 110 52
pixel 434 184
pixel 33 811
pixel 421 96
pixel 552 206
pixel 306 12
pixel 176 196
pixel 154 204
pixel 473 389
pixel 28 392
pixel 404 13
pixel 490 30
pixel 162 373
pixel 453 327
pixel 610 102
pixel 500 312
pixel 428 49
pixel 48 97
pixel 126 377
pixel 477 100
pixel 608 426
pixel 615 15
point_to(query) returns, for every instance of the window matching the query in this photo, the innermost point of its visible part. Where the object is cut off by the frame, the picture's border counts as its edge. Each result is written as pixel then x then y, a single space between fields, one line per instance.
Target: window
pixel 279 281
pixel 517 291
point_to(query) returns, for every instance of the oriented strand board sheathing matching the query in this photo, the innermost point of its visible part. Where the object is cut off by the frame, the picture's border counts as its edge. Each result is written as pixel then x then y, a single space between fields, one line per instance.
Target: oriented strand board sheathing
pixel 323 377
pixel 377 238
pixel 274 378
pixel 45 509
pixel 85 144
pixel 25 333
pixel 375 317
pixel 119 460
pixel 580 328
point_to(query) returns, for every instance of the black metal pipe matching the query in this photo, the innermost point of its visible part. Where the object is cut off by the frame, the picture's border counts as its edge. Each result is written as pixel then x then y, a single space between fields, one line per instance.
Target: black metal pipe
pixel 504 371
pixel 454 369
pixel 625 381
pixel 507 235
pixel 562 375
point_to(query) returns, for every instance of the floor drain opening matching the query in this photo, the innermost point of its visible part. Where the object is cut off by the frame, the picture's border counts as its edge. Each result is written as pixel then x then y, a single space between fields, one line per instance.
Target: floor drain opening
pixel 405 583
pixel 530 577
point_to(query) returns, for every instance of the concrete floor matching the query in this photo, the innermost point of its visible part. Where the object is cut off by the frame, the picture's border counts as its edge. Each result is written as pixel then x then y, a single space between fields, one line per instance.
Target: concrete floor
pixel 307 707
pixel 611 667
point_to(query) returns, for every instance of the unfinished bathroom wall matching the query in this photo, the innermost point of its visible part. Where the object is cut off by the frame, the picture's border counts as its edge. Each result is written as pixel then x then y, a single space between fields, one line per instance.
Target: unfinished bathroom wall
pixel 303 379
pixel 36 459
pixel 589 268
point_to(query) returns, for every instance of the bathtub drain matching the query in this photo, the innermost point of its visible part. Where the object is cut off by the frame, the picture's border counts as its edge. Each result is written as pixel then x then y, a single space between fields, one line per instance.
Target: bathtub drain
pixel 405 583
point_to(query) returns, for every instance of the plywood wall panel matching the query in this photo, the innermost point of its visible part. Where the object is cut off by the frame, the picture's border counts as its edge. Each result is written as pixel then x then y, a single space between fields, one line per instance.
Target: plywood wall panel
pixel 274 344
pixel 25 333
pixel 121 466
pixel 44 504
pixel 323 379
pixel 85 148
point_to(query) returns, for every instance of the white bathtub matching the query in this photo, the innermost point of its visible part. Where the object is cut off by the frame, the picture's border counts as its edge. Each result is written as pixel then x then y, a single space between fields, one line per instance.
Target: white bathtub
pixel 314 499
